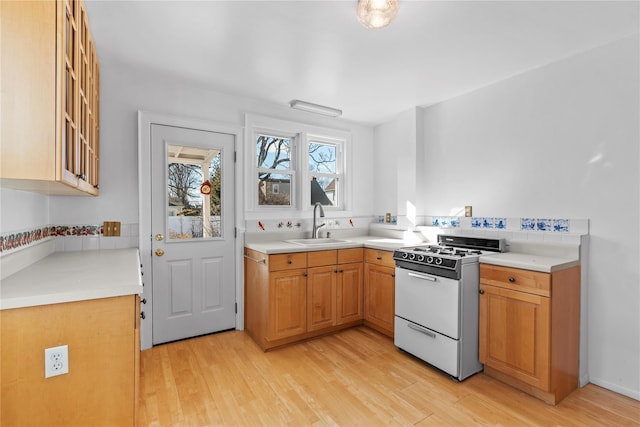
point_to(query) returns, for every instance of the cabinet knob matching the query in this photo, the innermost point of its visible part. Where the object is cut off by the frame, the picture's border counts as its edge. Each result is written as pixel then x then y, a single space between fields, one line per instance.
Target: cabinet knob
pixel 378 257
pixel 143 300
pixel 512 279
pixel 142 315
pixel 97 186
pixel 393 275
pixel 159 252
pixel 481 291
pixel 305 274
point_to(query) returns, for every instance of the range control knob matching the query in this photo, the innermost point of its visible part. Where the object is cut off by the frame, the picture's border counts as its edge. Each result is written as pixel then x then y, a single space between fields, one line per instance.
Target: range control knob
pixel 430 259
pixel 438 261
pixel 405 255
pixel 412 256
pixel 420 258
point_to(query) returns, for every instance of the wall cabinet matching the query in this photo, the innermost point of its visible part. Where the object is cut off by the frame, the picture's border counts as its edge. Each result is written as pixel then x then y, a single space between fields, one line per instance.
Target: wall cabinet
pixel 529 329
pixel 100 389
pixel 379 289
pixel 293 296
pixel 50 98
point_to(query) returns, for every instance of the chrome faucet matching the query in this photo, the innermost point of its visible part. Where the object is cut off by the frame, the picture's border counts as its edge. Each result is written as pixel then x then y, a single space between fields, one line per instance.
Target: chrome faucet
pixel 314 233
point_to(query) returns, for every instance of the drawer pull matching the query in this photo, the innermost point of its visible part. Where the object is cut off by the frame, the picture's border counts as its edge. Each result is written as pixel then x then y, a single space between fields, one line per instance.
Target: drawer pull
pixel 263 260
pixel 378 257
pixel 512 279
pixel 421 330
pixel 423 277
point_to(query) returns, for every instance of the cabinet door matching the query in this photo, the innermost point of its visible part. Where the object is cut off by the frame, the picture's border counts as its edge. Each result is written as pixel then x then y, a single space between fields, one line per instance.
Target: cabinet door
pixel 350 298
pixel 287 303
pixel 321 297
pixel 515 334
pixel 379 296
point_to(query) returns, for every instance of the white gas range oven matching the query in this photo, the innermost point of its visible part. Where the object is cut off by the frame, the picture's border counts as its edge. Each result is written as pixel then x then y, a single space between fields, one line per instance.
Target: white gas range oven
pixel 436 301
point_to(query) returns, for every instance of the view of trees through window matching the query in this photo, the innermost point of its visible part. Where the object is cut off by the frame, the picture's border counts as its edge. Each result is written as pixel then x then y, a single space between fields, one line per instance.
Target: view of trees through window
pixel 184 181
pixel 322 168
pixel 276 171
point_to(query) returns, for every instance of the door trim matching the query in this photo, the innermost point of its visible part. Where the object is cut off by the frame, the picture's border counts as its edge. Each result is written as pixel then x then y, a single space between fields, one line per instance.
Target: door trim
pixel 145 120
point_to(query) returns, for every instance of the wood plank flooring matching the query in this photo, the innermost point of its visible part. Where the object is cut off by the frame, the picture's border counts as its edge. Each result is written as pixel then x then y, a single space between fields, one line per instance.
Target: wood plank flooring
pixel 356 377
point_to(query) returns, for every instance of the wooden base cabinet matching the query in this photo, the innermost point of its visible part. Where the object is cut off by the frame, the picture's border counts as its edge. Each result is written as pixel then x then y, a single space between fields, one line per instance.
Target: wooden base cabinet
pixel 295 296
pixel 529 329
pixel 50 98
pixel 100 389
pixel 379 292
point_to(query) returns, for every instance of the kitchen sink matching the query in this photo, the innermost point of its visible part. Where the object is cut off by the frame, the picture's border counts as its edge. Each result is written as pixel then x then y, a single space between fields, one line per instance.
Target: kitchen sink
pixel 315 242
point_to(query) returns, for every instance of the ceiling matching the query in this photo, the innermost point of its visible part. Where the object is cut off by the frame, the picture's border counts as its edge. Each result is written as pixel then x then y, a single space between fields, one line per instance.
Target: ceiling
pixel 317 51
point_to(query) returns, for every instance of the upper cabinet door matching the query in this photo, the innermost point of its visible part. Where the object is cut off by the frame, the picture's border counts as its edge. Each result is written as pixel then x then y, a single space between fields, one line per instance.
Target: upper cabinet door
pixel 50 99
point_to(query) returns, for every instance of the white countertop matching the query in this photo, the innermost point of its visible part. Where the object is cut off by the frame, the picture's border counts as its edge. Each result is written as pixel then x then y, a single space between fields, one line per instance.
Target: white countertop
pixel 73 276
pixel 526 261
pixel 373 242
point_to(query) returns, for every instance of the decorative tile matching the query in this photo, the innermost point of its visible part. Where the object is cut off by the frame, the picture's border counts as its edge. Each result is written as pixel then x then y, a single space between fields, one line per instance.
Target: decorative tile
pixel 487 222
pixel 455 222
pixel 476 222
pixel 561 225
pixel 527 224
pixel 500 223
pixel 543 224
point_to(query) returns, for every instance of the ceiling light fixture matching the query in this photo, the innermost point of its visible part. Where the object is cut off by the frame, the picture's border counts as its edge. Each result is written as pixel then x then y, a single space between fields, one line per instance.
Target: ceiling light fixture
pixel 315 108
pixel 377 13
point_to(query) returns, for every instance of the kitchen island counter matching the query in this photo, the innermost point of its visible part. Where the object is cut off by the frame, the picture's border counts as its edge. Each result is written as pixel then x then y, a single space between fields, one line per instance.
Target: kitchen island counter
pixel 73 276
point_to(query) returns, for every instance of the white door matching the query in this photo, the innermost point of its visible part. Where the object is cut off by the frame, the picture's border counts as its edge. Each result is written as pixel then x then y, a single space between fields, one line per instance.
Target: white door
pixel 192 225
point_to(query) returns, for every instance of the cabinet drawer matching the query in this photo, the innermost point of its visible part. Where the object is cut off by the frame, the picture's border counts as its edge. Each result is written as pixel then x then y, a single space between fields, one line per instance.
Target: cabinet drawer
pixel 287 261
pixel 347 256
pixel 320 258
pixel 435 349
pixel 533 282
pixel 375 256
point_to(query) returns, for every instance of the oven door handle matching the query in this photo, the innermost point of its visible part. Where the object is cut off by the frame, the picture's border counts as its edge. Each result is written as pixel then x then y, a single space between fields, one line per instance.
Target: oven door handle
pixel 422 330
pixel 423 277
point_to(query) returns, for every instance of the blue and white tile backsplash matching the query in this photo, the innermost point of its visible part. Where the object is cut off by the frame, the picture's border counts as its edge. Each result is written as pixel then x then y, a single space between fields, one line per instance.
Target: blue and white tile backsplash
pixel 528 224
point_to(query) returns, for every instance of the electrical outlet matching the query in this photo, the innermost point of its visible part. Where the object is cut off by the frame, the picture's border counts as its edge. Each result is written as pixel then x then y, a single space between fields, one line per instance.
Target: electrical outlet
pixel 56 361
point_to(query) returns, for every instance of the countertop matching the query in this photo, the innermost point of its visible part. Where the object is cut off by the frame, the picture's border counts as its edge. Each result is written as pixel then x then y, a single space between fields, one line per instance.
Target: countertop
pixel 373 242
pixel 73 276
pixel 528 261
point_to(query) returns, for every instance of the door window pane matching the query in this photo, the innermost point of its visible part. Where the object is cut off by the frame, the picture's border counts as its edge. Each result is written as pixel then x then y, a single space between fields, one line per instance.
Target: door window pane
pixel 194 180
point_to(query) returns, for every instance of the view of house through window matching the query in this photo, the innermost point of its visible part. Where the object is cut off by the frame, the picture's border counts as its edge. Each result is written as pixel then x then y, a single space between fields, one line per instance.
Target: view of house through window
pixel 194 178
pixel 275 173
pixel 323 161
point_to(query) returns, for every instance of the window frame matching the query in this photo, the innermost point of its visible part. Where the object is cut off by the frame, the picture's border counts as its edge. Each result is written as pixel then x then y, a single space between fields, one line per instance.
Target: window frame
pixel 301 135
pixel 339 143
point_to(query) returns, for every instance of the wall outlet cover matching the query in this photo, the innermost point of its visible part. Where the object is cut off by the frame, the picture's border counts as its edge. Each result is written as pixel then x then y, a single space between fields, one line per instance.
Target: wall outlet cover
pixel 56 361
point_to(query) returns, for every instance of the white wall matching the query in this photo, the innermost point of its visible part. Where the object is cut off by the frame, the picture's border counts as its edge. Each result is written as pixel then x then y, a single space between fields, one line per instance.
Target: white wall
pixel 22 211
pixel 124 91
pixel 561 141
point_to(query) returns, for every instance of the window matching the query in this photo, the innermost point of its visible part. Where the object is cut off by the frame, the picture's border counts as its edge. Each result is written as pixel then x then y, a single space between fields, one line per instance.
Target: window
pixel 285 155
pixel 275 174
pixel 323 158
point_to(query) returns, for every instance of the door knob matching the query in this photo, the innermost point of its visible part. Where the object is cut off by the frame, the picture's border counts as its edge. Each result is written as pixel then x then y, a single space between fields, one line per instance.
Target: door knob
pixel 159 237
pixel 159 252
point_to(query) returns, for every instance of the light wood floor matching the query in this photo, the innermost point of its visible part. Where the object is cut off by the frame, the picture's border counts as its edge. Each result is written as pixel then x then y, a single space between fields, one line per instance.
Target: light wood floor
pixel 355 377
